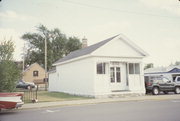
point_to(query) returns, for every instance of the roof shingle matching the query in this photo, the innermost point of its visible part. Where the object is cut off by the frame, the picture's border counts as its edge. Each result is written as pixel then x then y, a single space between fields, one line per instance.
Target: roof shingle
pixel 84 51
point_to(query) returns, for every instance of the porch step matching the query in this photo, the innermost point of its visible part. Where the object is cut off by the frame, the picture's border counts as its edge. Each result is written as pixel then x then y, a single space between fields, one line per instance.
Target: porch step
pixel 123 95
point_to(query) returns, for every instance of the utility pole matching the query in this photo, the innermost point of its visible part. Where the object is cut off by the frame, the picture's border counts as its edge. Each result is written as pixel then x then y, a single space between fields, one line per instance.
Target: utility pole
pixel 45 58
pixel 23 60
pixel 45 61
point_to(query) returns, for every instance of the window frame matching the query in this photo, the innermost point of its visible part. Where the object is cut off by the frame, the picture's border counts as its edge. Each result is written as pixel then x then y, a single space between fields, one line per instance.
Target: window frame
pixel 118 74
pixel 101 68
pixel 134 68
pixel 35 73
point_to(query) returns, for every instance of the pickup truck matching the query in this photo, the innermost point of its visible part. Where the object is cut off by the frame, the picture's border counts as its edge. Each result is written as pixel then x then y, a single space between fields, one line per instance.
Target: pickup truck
pixel 158 84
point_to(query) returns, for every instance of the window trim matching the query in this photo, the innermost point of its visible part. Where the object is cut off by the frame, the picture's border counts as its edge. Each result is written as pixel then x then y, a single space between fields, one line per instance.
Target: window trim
pixel 35 73
pixel 103 68
pixel 134 67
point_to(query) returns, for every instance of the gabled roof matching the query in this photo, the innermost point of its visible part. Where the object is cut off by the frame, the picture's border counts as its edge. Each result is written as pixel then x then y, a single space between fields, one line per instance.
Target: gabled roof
pixel 32 66
pixel 90 49
pixel 169 69
pixel 84 51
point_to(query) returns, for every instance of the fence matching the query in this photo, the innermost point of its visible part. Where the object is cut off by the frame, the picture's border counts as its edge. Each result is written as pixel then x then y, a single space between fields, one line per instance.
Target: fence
pixel 30 95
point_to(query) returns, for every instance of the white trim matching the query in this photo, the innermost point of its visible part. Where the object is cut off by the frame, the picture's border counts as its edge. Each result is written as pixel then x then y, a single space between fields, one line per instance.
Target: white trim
pixel 121 37
pixel 89 55
pixel 72 60
pixel 132 45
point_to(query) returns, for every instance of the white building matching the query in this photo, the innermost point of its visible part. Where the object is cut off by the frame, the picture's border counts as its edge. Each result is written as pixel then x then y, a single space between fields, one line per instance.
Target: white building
pixel 169 72
pixel 109 67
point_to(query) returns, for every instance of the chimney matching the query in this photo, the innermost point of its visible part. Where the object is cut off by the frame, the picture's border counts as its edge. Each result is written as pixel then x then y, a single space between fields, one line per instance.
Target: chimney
pixel 84 42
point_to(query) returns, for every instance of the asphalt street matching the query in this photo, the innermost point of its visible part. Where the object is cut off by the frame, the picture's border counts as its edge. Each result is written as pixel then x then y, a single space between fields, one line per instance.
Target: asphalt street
pixel 168 110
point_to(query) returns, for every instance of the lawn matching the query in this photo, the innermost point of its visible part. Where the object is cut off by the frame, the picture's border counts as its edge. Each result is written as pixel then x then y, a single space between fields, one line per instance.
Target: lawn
pixel 45 96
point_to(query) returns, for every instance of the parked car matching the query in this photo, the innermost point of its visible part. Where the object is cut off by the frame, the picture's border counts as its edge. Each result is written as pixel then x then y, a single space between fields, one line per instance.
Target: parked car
pixel 10 100
pixel 158 84
pixel 25 85
pixel 177 79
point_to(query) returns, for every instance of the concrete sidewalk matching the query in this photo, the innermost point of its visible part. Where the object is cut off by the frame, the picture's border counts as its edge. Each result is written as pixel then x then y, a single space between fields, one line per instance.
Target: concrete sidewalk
pixel 102 100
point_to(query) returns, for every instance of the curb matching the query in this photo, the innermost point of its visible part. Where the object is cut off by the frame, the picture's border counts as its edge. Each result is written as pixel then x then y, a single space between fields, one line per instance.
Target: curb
pixel 98 101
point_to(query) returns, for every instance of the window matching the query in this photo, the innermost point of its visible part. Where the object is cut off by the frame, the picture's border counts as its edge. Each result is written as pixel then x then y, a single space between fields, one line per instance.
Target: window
pixel 127 79
pixel 112 73
pixel 101 68
pixel 134 68
pixel 35 73
pixel 178 79
pixel 118 74
pixel 131 68
pixel 137 68
pixel 165 80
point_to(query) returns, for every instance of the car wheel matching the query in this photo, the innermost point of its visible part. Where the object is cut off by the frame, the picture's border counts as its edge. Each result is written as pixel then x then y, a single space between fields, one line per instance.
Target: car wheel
pixel 165 92
pixel 155 91
pixel 177 90
pixel 28 87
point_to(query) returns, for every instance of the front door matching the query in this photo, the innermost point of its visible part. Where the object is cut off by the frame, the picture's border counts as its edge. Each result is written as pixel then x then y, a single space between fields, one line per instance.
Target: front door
pixel 117 78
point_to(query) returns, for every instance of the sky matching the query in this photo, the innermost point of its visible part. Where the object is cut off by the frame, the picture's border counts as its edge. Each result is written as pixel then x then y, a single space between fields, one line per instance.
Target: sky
pixel 154 25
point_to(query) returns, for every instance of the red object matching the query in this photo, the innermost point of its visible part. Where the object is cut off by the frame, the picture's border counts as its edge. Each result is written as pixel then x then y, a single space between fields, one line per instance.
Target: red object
pixel 149 83
pixel 10 94
pixel 10 100
pixel 7 105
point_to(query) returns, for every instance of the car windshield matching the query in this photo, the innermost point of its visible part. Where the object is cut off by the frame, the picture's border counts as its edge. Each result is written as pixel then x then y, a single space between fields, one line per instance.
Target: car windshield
pixel 21 82
pixel 165 79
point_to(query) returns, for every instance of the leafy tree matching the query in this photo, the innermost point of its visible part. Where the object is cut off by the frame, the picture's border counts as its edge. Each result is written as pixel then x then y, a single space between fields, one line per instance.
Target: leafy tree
pixel 177 63
pixel 149 65
pixel 58 45
pixel 6 50
pixel 9 72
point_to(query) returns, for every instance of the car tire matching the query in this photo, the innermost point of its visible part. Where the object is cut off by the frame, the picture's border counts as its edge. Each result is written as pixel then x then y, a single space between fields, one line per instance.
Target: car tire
pixel 29 87
pixel 177 90
pixel 155 91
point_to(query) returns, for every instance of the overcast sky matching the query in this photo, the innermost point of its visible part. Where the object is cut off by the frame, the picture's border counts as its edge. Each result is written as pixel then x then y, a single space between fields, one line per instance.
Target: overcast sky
pixel 154 25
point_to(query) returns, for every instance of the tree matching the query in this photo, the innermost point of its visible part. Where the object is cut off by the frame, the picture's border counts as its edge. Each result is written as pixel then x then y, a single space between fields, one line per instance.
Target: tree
pixel 149 65
pixel 6 50
pixel 177 63
pixel 58 45
pixel 9 72
pixel 72 44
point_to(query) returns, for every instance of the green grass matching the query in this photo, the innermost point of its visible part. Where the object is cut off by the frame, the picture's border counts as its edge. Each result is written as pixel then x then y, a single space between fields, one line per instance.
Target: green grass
pixel 45 96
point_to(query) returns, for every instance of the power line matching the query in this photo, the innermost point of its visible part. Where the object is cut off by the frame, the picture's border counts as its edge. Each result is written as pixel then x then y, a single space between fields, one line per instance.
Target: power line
pixel 118 10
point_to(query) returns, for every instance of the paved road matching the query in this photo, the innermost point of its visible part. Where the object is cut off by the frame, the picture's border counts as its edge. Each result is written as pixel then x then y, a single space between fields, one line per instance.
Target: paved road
pixel 168 110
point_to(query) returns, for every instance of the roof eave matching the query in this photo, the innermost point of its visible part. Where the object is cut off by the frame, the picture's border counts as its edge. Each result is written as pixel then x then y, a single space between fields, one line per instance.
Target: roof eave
pixel 71 60
pixel 133 45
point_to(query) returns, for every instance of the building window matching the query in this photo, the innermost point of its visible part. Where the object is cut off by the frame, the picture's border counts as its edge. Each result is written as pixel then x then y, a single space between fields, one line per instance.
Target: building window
pixel 178 79
pixel 101 68
pixel 127 79
pixel 118 74
pixel 134 68
pixel 35 73
pixel 112 74
pixel 131 68
pixel 137 68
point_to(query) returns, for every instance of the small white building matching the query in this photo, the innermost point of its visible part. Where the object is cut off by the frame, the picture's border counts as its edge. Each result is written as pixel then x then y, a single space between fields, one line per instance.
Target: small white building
pixel 169 72
pixel 112 66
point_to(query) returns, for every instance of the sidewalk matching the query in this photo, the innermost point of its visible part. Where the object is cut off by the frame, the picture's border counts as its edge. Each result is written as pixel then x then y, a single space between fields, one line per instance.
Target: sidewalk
pixel 102 100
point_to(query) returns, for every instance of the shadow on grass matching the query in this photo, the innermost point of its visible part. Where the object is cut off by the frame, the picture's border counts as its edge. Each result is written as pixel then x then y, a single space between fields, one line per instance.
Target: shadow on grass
pixel 60 95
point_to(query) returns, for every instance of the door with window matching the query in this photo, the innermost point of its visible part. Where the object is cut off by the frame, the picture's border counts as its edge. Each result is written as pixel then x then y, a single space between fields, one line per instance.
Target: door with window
pixel 117 78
